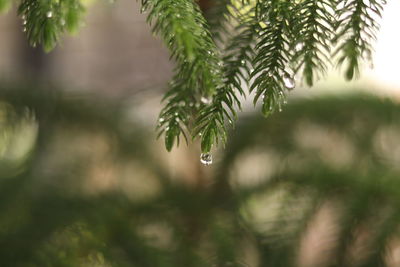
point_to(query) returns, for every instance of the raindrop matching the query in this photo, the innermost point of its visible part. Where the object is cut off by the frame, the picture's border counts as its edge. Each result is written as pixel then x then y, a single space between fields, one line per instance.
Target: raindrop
pixel 176 114
pixel 289 82
pixel 49 14
pixel 206 158
pixel 280 109
pixel 206 100
pixel 161 119
pixel 24 22
pixel 243 62
pixel 143 9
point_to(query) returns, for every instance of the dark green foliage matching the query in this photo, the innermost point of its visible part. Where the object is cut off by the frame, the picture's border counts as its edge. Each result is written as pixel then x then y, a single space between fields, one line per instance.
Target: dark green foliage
pixel 357 27
pixel 48 218
pixel 258 44
pixel 198 75
pixel 314 24
pixel 271 62
pixel 44 21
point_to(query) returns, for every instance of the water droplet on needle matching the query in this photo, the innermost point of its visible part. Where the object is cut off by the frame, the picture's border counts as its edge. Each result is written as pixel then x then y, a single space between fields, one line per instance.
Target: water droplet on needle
pixel 289 82
pixel 206 158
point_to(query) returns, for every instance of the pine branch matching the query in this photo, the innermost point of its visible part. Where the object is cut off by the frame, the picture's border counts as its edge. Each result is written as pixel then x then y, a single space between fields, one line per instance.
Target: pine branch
pixel 357 27
pixel 268 42
pixel 210 124
pixel 272 74
pixel 44 21
pixel 313 29
pixel 198 74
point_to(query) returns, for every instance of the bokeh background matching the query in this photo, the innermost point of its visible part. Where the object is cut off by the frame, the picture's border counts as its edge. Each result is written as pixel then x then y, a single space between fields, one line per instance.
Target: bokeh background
pixel 84 182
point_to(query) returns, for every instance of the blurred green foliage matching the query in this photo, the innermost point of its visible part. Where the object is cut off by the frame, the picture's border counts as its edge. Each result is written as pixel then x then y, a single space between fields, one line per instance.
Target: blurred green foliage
pixel 81 184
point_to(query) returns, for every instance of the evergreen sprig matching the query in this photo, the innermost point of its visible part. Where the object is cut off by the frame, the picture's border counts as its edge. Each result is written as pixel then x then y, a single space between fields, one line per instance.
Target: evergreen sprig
pixel 44 21
pixel 212 119
pixel 314 23
pixel 272 72
pixel 259 44
pixel 198 73
pixel 356 28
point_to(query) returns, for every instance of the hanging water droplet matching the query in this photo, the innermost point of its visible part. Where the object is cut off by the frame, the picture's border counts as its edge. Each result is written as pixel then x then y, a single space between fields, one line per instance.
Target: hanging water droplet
pixel 161 119
pixel 230 121
pixel 24 29
pixel 23 17
pixel 206 100
pixel 176 114
pixel 24 22
pixel 280 109
pixel 143 9
pixel 242 62
pixel 285 102
pixel 289 82
pixel 206 158
pixel 49 14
